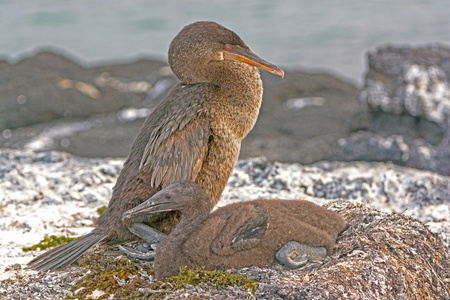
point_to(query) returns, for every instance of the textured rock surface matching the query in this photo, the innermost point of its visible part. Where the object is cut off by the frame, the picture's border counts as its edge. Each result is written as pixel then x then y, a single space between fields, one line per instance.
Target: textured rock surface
pixel 56 193
pixel 401 150
pixel 412 81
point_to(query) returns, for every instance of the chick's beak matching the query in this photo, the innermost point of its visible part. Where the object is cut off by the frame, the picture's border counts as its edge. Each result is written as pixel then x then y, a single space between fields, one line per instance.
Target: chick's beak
pixel 235 52
pixel 155 204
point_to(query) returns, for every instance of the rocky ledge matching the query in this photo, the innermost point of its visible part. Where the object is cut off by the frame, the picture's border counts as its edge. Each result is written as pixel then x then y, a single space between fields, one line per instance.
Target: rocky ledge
pixel 397 245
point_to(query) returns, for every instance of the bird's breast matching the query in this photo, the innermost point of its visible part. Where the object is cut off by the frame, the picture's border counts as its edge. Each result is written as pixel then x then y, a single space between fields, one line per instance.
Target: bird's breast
pixel 234 117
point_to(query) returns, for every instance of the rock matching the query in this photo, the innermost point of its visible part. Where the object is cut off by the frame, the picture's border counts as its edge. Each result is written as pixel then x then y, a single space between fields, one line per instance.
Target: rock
pixel 49 87
pixel 53 109
pixel 412 81
pixel 407 92
pixel 387 252
pixel 401 150
pixel 302 116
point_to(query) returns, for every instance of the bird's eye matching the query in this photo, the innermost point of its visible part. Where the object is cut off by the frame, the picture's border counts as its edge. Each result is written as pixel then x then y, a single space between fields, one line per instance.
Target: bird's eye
pixel 218 56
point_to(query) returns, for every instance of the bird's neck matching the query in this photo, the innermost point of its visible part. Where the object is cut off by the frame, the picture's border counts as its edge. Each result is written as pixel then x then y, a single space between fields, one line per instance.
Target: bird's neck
pixel 190 220
pixel 171 253
pixel 237 110
pixel 171 248
pixel 240 82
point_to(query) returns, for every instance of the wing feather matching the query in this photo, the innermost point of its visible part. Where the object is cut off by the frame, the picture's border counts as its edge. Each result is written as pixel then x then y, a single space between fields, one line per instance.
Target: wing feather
pixel 231 231
pixel 177 142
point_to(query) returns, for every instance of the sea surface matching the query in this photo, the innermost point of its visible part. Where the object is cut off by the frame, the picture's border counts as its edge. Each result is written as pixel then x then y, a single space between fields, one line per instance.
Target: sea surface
pixel 319 35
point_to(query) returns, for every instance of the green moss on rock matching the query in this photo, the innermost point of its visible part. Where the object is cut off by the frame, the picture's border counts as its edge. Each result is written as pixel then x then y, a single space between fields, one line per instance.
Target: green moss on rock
pixel 48 242
pixel 108 276
pixel 118 277
pixel 221 279
pixel 101 210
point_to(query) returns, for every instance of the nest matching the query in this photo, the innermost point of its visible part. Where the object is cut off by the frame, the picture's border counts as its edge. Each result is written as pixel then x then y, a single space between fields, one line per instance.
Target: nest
pixel 382 256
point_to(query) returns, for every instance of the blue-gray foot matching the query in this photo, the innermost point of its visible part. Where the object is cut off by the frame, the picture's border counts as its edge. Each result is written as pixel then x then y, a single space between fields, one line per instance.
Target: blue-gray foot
pixel 147 250
pixel 295 255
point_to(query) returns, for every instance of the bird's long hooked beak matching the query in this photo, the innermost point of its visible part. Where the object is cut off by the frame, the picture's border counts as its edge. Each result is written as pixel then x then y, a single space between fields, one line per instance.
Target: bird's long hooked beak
pixel 157 203
pixel 235 52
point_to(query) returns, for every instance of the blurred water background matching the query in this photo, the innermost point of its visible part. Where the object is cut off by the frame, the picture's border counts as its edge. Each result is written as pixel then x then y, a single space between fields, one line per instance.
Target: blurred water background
pixel 319 35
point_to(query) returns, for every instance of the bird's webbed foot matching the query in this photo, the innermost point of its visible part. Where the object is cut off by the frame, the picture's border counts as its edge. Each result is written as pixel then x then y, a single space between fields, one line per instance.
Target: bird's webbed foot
pixel 152 239
pixel 295 255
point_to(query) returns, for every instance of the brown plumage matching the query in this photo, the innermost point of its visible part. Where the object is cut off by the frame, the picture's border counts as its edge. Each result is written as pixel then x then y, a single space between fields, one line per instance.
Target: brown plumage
pixel 237 235
pixel 194 134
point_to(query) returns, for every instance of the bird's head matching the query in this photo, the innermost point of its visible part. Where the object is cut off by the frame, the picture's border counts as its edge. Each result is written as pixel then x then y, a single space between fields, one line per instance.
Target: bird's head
pixel 184 196
pixel 202 47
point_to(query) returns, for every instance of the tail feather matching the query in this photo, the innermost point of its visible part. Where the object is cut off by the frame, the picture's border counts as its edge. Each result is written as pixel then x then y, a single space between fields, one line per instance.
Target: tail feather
pixel 62 256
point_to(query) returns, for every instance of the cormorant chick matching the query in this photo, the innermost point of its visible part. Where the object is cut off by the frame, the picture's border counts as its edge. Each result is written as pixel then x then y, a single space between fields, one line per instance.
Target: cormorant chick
pixel 238 235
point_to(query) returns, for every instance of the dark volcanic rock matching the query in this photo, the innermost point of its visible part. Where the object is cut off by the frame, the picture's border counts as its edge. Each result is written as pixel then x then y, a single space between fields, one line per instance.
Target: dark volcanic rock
pixel 302 116
pixel 97 112
pixel 404 151
pixel 49 87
